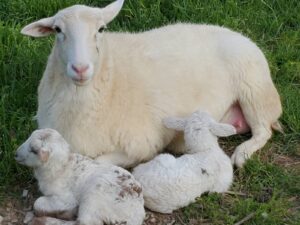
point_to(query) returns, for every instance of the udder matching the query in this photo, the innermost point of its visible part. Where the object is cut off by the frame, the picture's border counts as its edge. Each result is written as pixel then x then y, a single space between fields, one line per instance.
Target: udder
pixel 235 117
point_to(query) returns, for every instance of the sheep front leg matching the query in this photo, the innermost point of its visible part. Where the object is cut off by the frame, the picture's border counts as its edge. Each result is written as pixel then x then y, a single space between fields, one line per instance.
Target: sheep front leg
pixel 56 206
pixel 51 221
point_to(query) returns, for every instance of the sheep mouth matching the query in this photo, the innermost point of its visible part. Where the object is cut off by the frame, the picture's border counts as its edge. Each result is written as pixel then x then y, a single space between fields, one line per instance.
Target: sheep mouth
pixel 20 161
pixel 80 82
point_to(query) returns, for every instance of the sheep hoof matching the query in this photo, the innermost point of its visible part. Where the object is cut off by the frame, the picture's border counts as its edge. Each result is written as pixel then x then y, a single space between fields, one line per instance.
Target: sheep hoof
pixel 38 221
pixel 239 158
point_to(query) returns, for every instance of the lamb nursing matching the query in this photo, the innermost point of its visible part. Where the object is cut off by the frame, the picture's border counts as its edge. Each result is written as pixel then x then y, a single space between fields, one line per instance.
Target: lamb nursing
pixel 107 92
pixel 170 183
pixel 75 186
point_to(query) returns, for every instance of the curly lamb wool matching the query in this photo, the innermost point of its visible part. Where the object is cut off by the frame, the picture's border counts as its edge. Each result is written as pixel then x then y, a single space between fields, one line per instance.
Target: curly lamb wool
pixel 76 186
pixel 170 183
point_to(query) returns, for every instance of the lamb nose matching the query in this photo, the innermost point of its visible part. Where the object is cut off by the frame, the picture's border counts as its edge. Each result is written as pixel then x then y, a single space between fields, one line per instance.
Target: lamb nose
pixel 80 69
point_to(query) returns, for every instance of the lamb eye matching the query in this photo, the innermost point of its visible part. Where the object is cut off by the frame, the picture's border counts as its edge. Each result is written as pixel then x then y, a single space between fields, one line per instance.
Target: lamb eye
pixel 34 151
pixel 57 29
pixel 101 29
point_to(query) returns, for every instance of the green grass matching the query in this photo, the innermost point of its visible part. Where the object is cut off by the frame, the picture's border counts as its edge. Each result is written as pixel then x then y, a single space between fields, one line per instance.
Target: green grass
pixel 273 25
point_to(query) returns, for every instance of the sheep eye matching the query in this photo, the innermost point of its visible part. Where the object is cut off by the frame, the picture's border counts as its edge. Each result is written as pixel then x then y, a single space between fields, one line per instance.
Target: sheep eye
pixel 34 151
pixel 101 29
pixel 57 29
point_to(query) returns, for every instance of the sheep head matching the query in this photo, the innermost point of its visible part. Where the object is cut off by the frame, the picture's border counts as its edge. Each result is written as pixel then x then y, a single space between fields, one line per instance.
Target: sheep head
pixel 200 130
pixel 41 147
pixel 79 37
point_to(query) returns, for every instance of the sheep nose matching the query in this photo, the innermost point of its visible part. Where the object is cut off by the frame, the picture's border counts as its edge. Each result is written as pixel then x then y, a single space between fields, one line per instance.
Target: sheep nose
pixel 80 69
pixel 16 155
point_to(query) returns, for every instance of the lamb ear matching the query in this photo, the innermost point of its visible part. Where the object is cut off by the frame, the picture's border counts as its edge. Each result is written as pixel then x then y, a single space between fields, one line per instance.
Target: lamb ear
pixel 222 129
pixel 175 123
pixel 111 11
pixel 40 28
pixel 45 133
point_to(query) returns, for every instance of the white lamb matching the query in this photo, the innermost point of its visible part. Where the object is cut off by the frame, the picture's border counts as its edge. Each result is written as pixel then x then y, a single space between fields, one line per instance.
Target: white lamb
pixel 101 193
pixel 170 183
pixel 107 92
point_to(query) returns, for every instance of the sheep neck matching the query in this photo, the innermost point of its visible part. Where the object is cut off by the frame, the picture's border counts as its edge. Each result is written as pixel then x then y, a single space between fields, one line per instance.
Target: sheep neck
pixel 206 147
pixel 51 171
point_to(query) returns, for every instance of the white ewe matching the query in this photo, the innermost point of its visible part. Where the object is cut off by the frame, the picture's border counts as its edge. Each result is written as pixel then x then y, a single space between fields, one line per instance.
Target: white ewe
pixel 170 183
pixel 107 93
pixel 101 193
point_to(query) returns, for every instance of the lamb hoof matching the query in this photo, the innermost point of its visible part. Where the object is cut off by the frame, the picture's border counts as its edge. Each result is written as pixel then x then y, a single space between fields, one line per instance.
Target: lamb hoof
pixel 63 215
pixel 38 221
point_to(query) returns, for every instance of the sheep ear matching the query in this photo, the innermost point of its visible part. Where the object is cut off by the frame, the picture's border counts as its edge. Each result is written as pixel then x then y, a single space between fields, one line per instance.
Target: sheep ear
pixel 40 28
pixel 45 133
pixel 222 129
pixel 43 155
pixel 175 123
pixel 111 11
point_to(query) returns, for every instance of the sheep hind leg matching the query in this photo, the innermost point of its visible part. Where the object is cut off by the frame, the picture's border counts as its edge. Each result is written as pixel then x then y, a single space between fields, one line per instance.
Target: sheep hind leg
pixel 262 110
pixel 50 221
pixel 260 136
pixel 55 206
pixel 91 208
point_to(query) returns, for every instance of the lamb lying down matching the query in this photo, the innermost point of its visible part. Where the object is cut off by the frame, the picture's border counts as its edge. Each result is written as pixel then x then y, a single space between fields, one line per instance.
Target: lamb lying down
pixel 74 186
pixel 170 183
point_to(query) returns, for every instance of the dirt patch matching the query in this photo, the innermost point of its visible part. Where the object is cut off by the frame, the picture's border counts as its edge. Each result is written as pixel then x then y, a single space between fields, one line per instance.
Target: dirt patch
pixel 287 161
pixel 160 219
pixel 13 208
pixel 264 195
pixel 13 211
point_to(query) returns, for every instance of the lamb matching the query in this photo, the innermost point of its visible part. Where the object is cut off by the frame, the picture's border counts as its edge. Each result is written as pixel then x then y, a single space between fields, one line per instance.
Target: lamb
pixel 107 92
pixel 170 183
pixel 76 186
